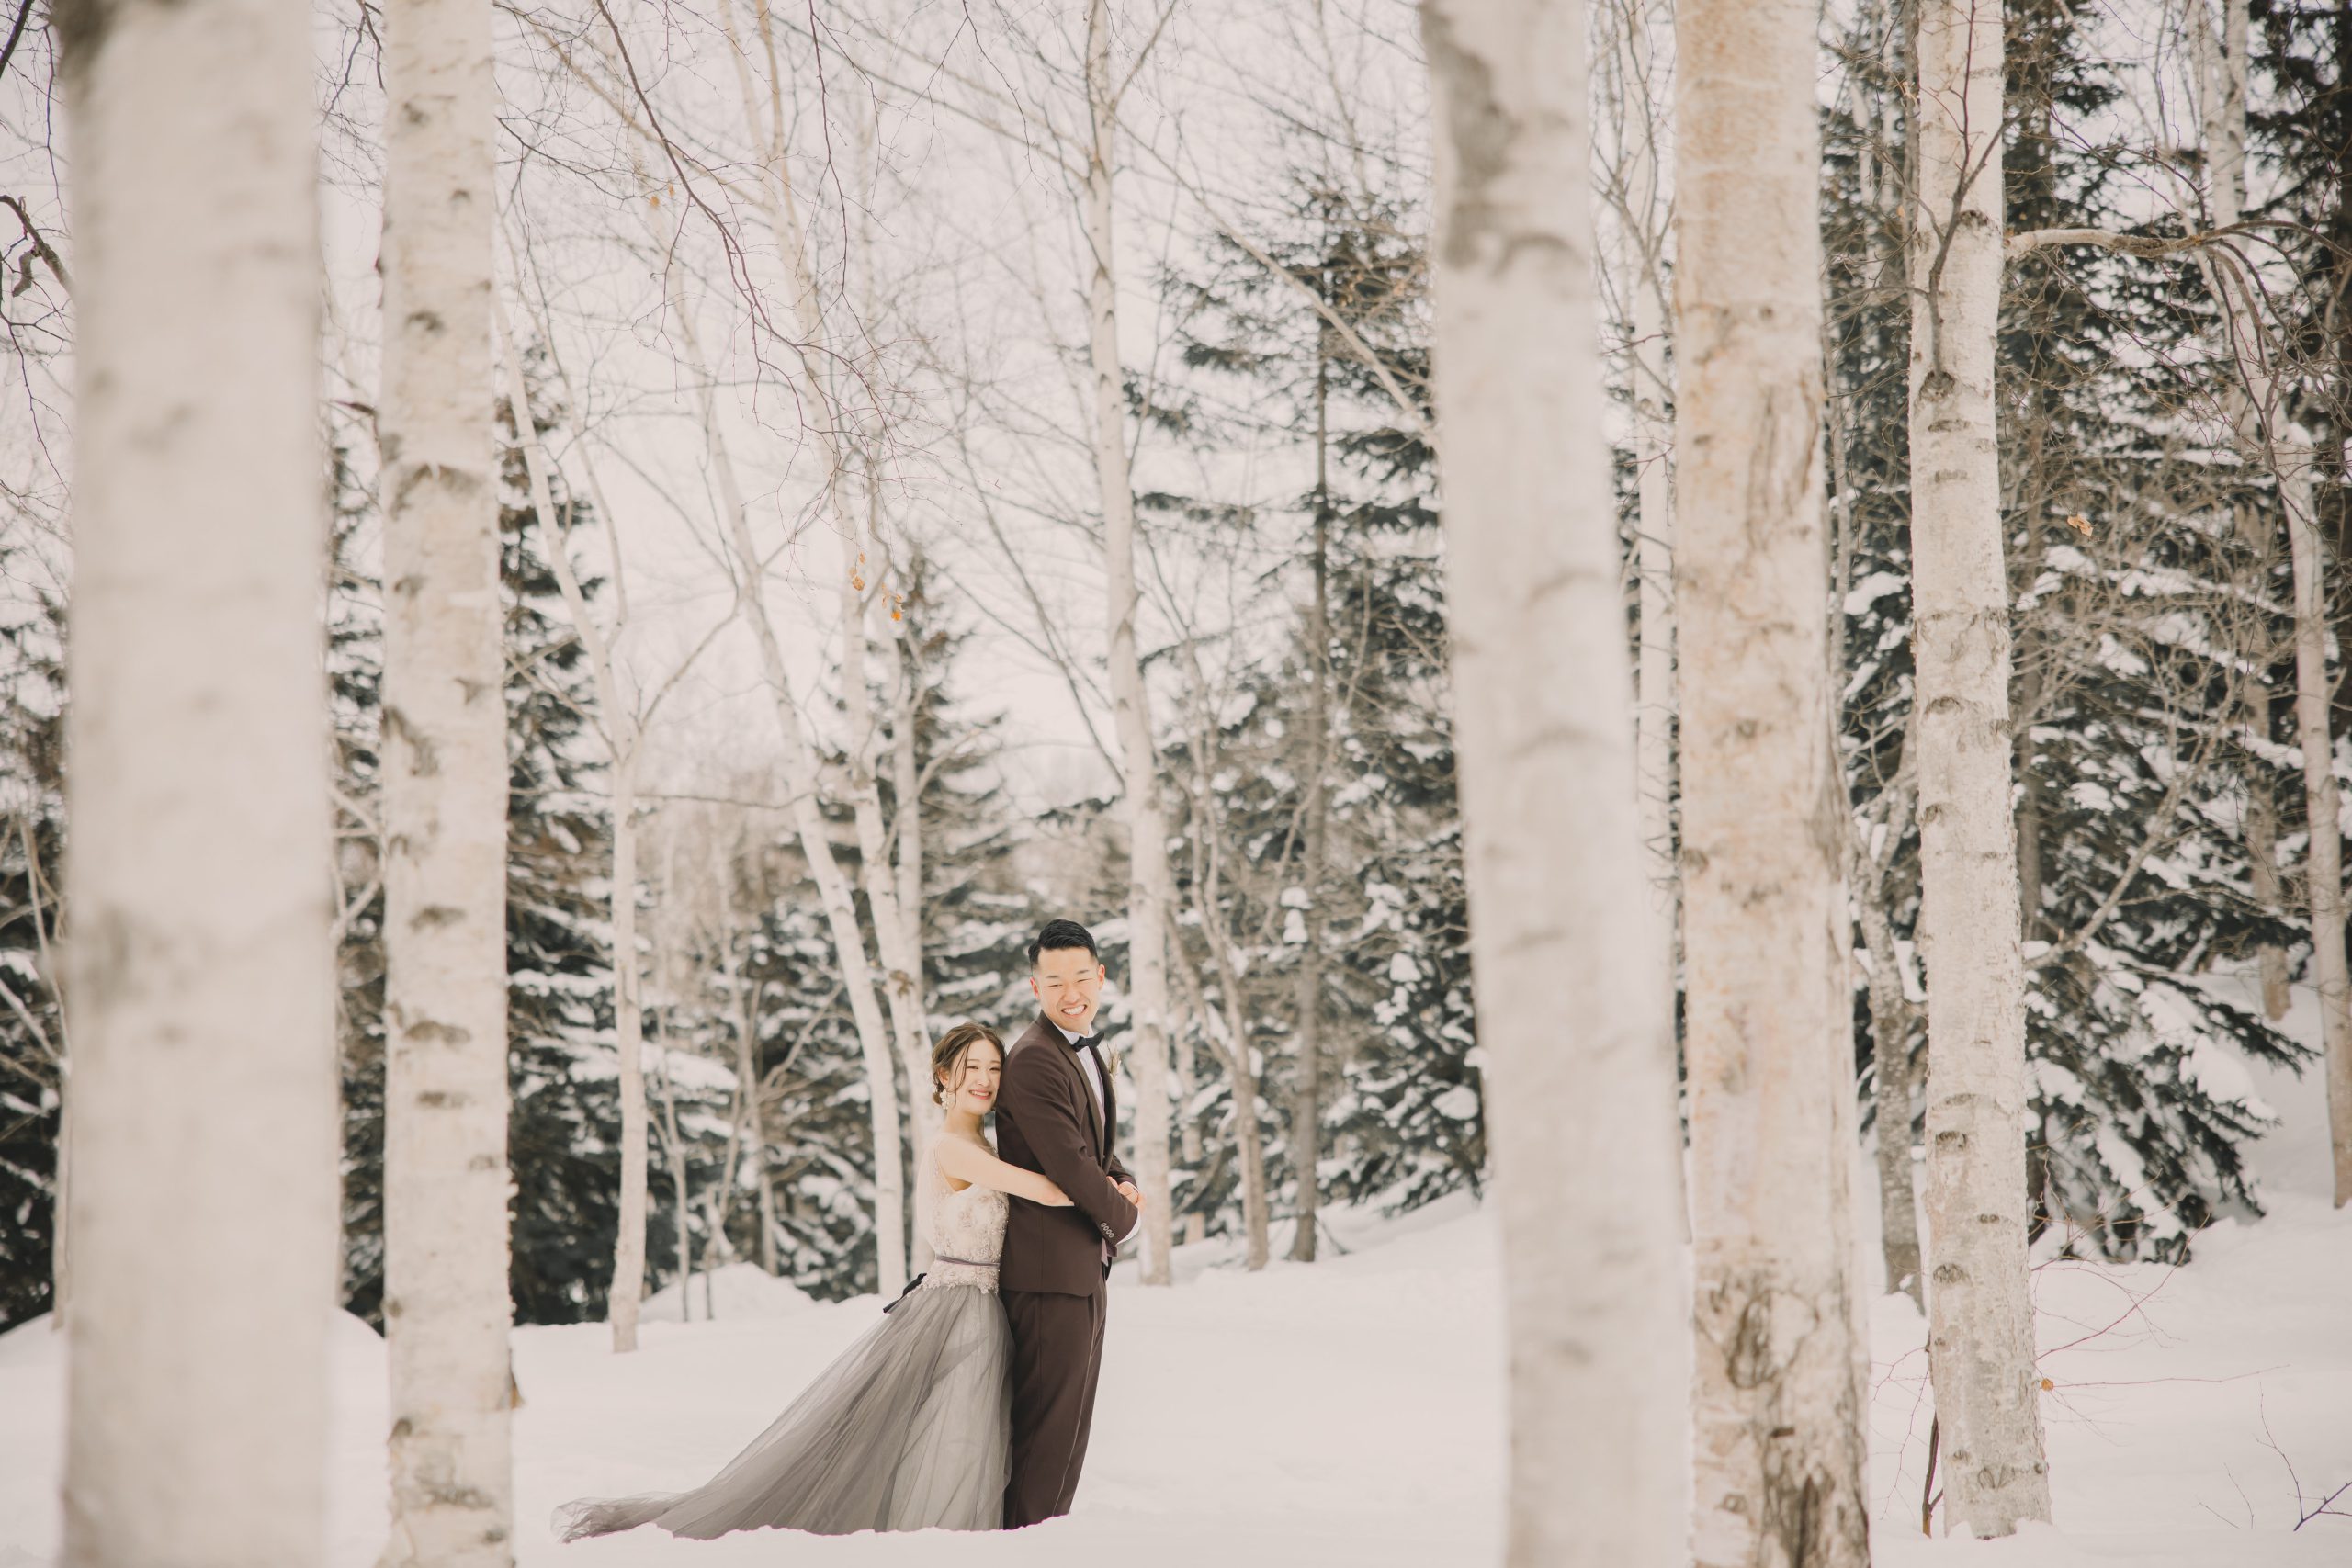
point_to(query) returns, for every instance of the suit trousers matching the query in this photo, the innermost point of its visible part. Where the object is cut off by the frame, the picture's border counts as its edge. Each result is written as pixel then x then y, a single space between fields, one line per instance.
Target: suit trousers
pixel 1057 1359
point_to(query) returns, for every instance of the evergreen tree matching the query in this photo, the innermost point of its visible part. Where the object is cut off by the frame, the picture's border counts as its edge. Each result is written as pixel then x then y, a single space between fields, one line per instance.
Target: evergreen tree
pixel 978 916
pixel 563 1127
pixel 32 1037
pixel 1405 1124
pixel 979 911
pixel 821 1156
pixel 2129 758
pixel 355 670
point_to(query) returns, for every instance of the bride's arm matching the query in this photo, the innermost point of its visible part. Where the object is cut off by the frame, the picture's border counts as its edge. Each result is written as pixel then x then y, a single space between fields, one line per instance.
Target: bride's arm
pixel 969 1162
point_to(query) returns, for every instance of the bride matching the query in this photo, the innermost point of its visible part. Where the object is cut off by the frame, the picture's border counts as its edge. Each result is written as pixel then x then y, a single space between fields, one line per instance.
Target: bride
pixel 909 1428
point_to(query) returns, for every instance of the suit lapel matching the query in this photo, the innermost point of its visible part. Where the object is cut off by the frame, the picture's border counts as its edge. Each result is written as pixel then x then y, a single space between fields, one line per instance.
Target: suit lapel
pixel 1108 1105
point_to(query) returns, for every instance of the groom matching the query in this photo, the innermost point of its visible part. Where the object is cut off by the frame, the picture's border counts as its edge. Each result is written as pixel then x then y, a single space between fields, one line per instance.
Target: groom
pixel 1056 1114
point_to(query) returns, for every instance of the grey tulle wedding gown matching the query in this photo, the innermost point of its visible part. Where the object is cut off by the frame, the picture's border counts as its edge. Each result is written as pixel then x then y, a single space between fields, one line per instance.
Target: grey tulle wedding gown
pixel 906 1430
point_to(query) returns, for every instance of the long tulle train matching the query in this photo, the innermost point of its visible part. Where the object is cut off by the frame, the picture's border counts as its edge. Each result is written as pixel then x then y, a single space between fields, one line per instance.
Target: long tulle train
pixel 906 1430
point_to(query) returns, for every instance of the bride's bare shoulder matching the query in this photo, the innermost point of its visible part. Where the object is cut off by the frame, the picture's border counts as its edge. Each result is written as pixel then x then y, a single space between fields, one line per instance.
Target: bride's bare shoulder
pixel 947 1152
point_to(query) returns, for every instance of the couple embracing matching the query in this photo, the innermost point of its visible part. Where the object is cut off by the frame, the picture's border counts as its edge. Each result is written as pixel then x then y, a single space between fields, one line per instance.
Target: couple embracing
pixel 967 1407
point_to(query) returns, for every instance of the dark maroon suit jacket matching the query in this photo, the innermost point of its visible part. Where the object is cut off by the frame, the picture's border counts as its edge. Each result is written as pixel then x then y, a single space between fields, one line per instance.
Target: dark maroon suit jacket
pixel 1045 1122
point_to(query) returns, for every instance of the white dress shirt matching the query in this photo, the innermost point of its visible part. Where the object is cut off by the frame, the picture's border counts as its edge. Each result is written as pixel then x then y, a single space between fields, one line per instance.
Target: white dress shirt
pixel 1092 1061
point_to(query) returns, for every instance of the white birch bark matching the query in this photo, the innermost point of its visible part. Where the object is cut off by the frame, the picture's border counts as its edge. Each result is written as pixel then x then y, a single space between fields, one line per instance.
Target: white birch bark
pixel 666 976
pixel 61 1251
pixel 2222 71
pixel 832 891
pixel 1226 1039
pixel 1571 995
pixel 201 1218
pixel 897 941
pixel 2254 406
pixel 748 1139
pixel 744 993
pixel 1889 1029
pixel 894 940
pixel 1980 1312
pixel 1891 1023
pixel 808 823
pixel 1306 1101
pixel 798 763
pixel 1151 887
pixel 1187 1083
pixel 446 1308
pixel 675 1148
pixel 617 720
pixel 1643 284
pixel 1778 1391
pixel 903 675
pixel 2324 869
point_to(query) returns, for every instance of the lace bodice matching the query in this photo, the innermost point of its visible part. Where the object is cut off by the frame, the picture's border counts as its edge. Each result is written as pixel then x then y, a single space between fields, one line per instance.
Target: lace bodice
pixel 967 1232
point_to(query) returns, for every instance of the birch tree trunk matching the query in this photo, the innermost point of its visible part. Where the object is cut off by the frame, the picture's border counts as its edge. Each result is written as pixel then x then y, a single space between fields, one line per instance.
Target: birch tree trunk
pixel 896 868
pixel 446 1308
pixel 61 1251
pixel 808 823
pixel 2262 807
pixel 675 1148
pixel 2222 68
pixel 1890 1028
pixel 1652 392
pixel 1306 1102
pixel 623 737
pixel 1187 1082
pixel 894 939
pixel 752 1129
pixel 1571 995
pixel 201 1218
pixel 1650 387
pixel 898 943
pixel 1779 1394
pixel 1654 556
pixel 1891 1023
pixel 1151 888
pixel 1980 1313
pixel 1222 1024
pixel 798 766
pixel 832 888
pixel 773 195
pixel 1893 1016
pixel 2254 406
pixel 2324 872
pixel 902 671
pixel 1249 1153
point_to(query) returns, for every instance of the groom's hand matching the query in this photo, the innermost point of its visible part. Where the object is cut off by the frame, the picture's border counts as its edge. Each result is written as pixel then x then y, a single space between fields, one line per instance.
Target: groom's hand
pixel 1127 1191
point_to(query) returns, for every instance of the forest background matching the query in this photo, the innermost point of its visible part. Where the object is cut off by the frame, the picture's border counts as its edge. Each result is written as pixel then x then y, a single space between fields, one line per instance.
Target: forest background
pixel 1273 207
pixel 815 592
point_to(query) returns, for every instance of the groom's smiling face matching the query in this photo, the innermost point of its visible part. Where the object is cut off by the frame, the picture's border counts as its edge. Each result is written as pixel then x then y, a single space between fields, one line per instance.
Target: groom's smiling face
pixel 1069 984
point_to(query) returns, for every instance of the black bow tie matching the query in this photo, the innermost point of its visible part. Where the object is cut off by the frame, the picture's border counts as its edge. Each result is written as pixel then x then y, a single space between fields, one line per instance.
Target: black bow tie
pixel 1087 1042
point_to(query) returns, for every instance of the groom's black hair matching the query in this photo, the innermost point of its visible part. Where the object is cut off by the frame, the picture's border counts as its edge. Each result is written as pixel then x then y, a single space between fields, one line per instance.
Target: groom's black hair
pixel 1059 935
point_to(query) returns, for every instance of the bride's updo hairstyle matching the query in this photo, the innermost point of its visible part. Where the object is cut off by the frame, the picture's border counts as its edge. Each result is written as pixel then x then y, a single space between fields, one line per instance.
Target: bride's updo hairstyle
pixel 947 1056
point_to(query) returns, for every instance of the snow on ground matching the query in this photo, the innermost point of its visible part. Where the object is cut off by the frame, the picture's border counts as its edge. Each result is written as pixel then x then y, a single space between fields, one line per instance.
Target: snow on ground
pixel 732 1290
pixel 1350 1412
pixel 2191 1407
